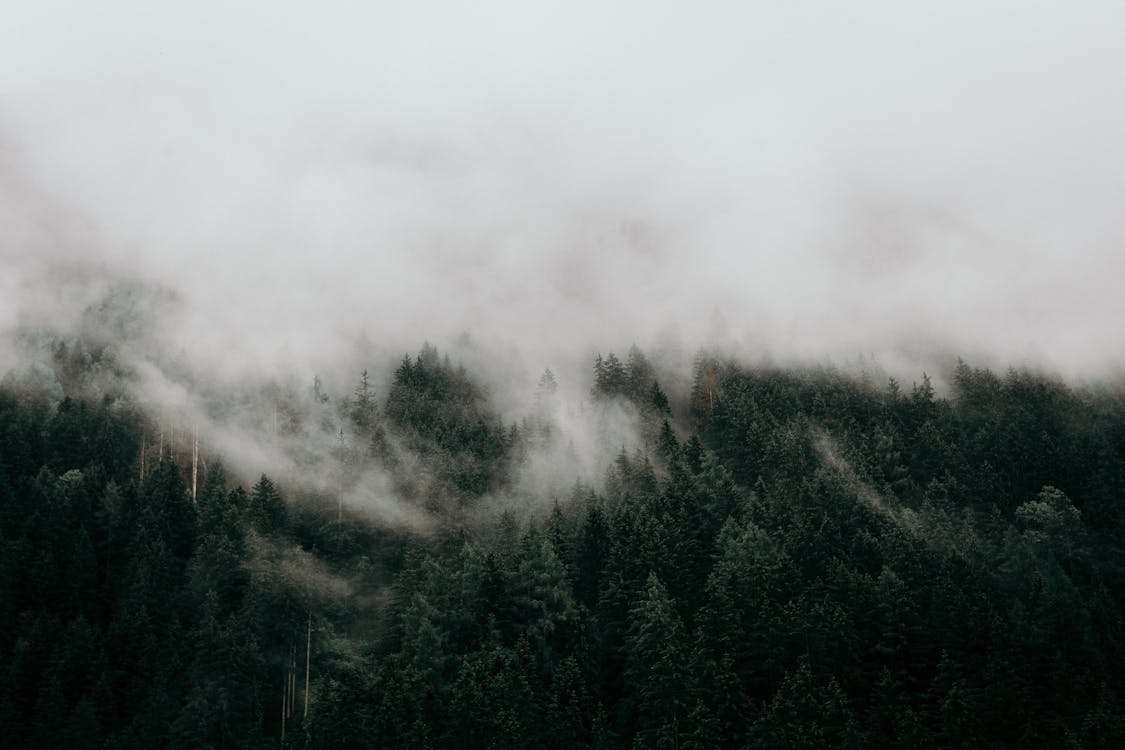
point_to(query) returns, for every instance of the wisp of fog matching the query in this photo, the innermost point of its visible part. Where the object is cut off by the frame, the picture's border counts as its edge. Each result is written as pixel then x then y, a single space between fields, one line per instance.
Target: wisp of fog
pixel 285 190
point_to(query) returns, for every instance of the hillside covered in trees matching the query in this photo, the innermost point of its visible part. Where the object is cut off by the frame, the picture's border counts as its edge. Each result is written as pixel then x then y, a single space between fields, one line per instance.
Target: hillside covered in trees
pixel 779 558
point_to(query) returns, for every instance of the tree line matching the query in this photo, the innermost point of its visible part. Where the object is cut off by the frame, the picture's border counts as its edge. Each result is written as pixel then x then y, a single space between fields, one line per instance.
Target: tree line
pixel 788 558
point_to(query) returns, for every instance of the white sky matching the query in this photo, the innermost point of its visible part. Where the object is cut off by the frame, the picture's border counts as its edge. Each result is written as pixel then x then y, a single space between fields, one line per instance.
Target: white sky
pixel 825 178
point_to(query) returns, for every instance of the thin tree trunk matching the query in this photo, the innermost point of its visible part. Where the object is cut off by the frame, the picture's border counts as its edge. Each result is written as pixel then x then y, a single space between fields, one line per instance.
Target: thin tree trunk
pixel 194 464
pixel 142 456
pixel 284 701
pixel 292 677
pixel 308 653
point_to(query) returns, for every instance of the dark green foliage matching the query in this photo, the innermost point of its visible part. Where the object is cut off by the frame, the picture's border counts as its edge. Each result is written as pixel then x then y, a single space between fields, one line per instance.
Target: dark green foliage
pixel 166 510
pixel 657 667
pixel 816 562
pixel 444 416
pixel 266 510
pixel 805 713
pixel 610 376
pixel 668 446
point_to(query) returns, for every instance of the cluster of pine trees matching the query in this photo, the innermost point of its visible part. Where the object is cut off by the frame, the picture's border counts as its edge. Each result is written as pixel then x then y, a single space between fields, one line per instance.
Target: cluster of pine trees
pixel 797 558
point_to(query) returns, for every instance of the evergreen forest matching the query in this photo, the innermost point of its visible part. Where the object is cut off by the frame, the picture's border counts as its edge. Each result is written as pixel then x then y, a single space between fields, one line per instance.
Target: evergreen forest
pixel 783 557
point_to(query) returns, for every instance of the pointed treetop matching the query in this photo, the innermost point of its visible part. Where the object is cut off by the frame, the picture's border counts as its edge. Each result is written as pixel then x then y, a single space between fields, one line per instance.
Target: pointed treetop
pixel 547 383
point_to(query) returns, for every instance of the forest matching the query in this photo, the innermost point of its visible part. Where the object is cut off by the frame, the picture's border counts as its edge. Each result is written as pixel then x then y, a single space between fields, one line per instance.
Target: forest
pixel 783 557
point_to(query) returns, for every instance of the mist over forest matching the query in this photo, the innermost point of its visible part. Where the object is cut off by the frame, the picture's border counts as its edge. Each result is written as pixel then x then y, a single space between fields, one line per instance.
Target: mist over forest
pixel 559 375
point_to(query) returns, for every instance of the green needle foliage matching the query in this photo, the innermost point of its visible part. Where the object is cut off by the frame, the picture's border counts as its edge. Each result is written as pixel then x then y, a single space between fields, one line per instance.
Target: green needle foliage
pixel 787 558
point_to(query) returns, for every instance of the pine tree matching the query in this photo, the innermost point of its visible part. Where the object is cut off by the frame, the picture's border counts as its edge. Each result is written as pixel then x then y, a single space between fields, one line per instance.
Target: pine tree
pixel 657 664
pixel 363 406
pixel 658 400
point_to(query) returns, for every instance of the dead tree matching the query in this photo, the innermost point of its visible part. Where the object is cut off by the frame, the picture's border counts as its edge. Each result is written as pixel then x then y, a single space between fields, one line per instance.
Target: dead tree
pixel 194 464
pixel 308 653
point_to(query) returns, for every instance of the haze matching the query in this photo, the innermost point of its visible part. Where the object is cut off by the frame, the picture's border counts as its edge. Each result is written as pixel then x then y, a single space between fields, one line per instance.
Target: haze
pixel 792 180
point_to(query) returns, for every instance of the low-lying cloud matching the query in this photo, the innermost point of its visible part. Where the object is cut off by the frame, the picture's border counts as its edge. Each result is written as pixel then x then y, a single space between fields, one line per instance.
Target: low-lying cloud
pixel 799 181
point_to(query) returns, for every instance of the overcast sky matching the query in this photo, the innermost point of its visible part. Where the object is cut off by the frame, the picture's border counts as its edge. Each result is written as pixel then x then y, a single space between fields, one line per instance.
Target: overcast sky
pixel 800 178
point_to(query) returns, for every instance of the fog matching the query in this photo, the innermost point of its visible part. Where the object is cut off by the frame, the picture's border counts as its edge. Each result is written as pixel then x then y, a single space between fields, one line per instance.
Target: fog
pixel 303 190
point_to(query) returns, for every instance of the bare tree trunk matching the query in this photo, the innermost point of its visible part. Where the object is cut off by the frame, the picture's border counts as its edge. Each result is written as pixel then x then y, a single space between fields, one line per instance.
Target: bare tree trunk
pixel 284 702
pixel 194 464
pixel 160 450
pixel 142 456
pixel 308 653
